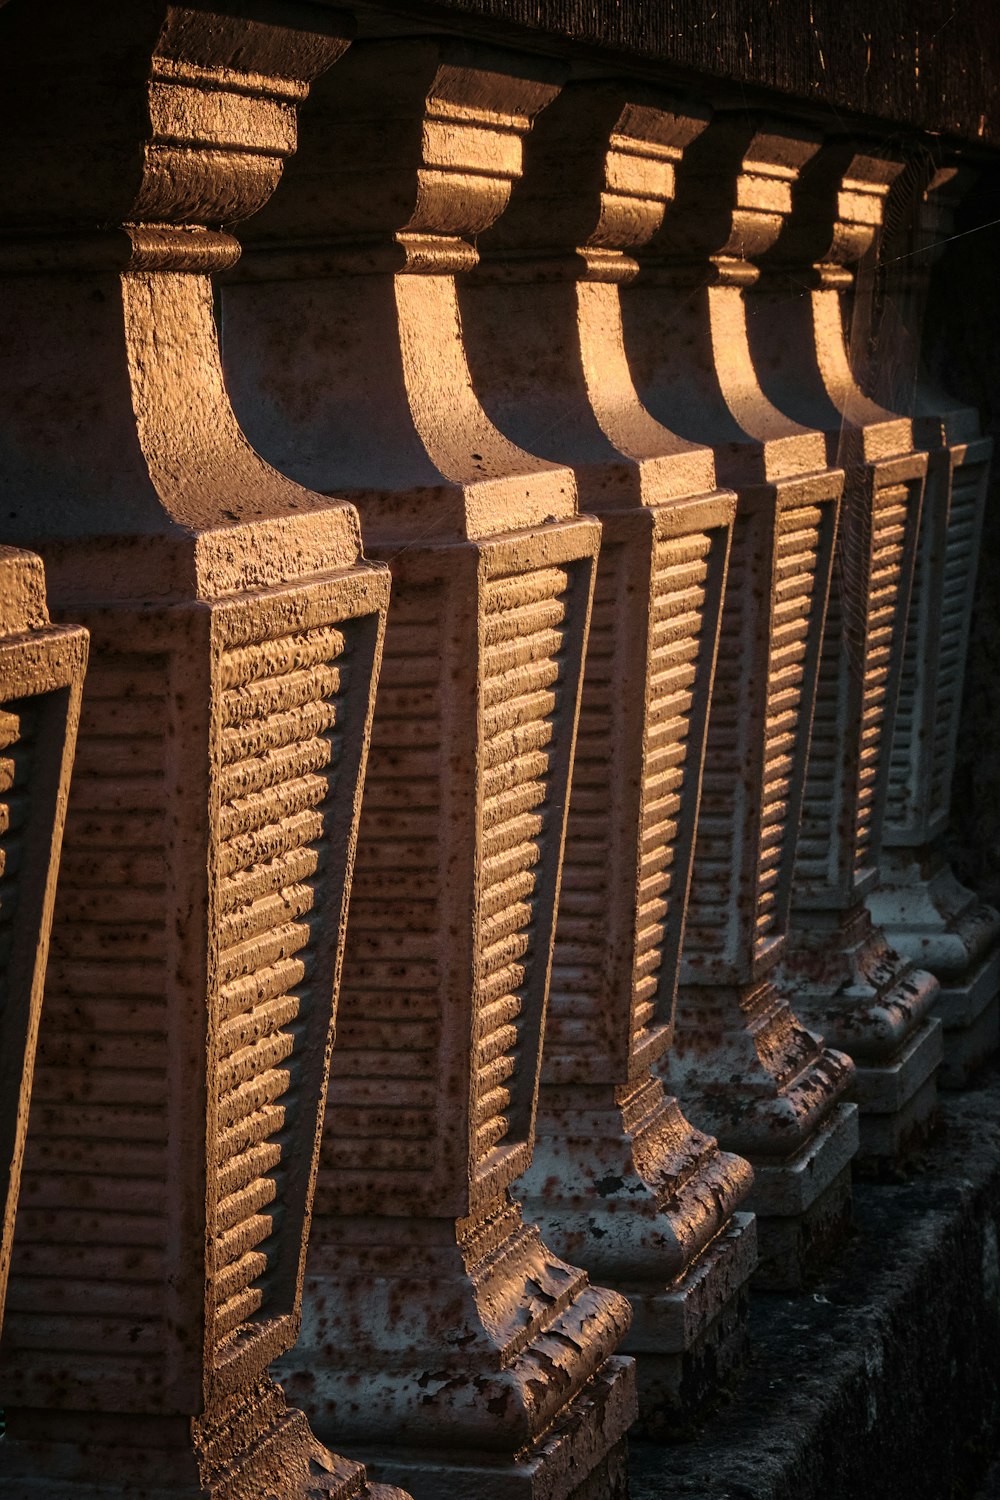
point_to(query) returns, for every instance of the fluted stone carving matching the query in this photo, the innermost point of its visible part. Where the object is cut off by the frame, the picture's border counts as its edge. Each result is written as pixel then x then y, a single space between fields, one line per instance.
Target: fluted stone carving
pixel 235 632
pixel 620 1180
pixel 741 1061
pixel 926 913
pixel 839 970
pixel 41 674
pixel 440 1332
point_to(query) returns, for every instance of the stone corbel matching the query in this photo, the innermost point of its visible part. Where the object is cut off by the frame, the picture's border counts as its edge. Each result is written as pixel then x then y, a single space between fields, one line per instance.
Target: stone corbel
pixel 41 676
pixel 926 913
pixel 741 1061
pixel 839 970
pixel 454 1345
pixel 235 637
pixel 620 1180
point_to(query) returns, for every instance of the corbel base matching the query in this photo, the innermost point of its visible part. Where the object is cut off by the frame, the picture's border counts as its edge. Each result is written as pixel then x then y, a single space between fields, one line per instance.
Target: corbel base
pixel 691 1337
pixel 803 1205
pixel 845 981
pixel 583 1457
pixel 929 916
pixel 260 1450
pixel 442 1348
pixel 898 1100
pixel 970 1015
pixel 645 1202
pixel 772 1091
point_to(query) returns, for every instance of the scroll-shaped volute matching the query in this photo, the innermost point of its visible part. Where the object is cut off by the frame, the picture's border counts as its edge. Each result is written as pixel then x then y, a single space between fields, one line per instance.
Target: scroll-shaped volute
pixel 201 109
pixel 798 333
pixel 839 968
pixel 235 638
pixel 541 315
pixel 925 911
pixel 426 137
pixel 839 206
pixel 685 316
pixel 621 1181
pixel 735 193
pixel 186 115
pixel 599 172
pixel 41 675
pixel 436 1323
pixel 919 221
pixel 405 158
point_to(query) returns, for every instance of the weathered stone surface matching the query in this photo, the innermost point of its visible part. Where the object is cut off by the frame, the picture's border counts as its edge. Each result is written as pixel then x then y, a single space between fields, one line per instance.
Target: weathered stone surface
pixel 957 345
pixel 583 1455
pixel 895 61
pixel 41 676
pixel 844 1397
pixel 741 1062
pixel 440 1331
pixel 839 970
pixel 235 631
pixel 923 908
pixel 620 1180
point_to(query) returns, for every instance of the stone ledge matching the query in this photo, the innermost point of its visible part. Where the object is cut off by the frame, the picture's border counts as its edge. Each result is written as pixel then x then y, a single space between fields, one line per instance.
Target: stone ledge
pixel 892 62
pixel 883 1379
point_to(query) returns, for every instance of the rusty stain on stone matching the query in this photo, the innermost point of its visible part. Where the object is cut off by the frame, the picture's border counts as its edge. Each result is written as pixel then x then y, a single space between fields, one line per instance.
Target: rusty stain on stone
pixel 741 1062
pixel 841 972
pixel 478 300
pixel 620 1181
pixel 41 676
pixel 469 1334
pixel 920 904
pixel 235 636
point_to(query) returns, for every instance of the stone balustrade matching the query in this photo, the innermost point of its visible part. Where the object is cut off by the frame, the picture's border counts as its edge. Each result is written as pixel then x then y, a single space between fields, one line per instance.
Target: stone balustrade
pixel 923 908
pixel 235 637
pixel 500 900
pixel 871 1001
pixel 41 677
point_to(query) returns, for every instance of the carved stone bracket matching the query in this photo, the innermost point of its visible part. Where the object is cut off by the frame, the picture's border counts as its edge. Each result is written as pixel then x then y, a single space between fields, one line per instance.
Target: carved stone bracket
pixel 741 1062
pixel 454 1345
pixel 41 676
pixel 924 910
pixel 620 1180
pixel 236 634
pixel 839 970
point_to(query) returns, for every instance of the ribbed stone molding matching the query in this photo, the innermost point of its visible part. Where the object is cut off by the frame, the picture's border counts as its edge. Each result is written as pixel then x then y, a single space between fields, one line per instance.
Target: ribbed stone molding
pixel 235 634
pixel 41 674
pixel 923 908
pixel 440 1332
pixel 620 1180
pixel 742 1063
pixel 839 970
